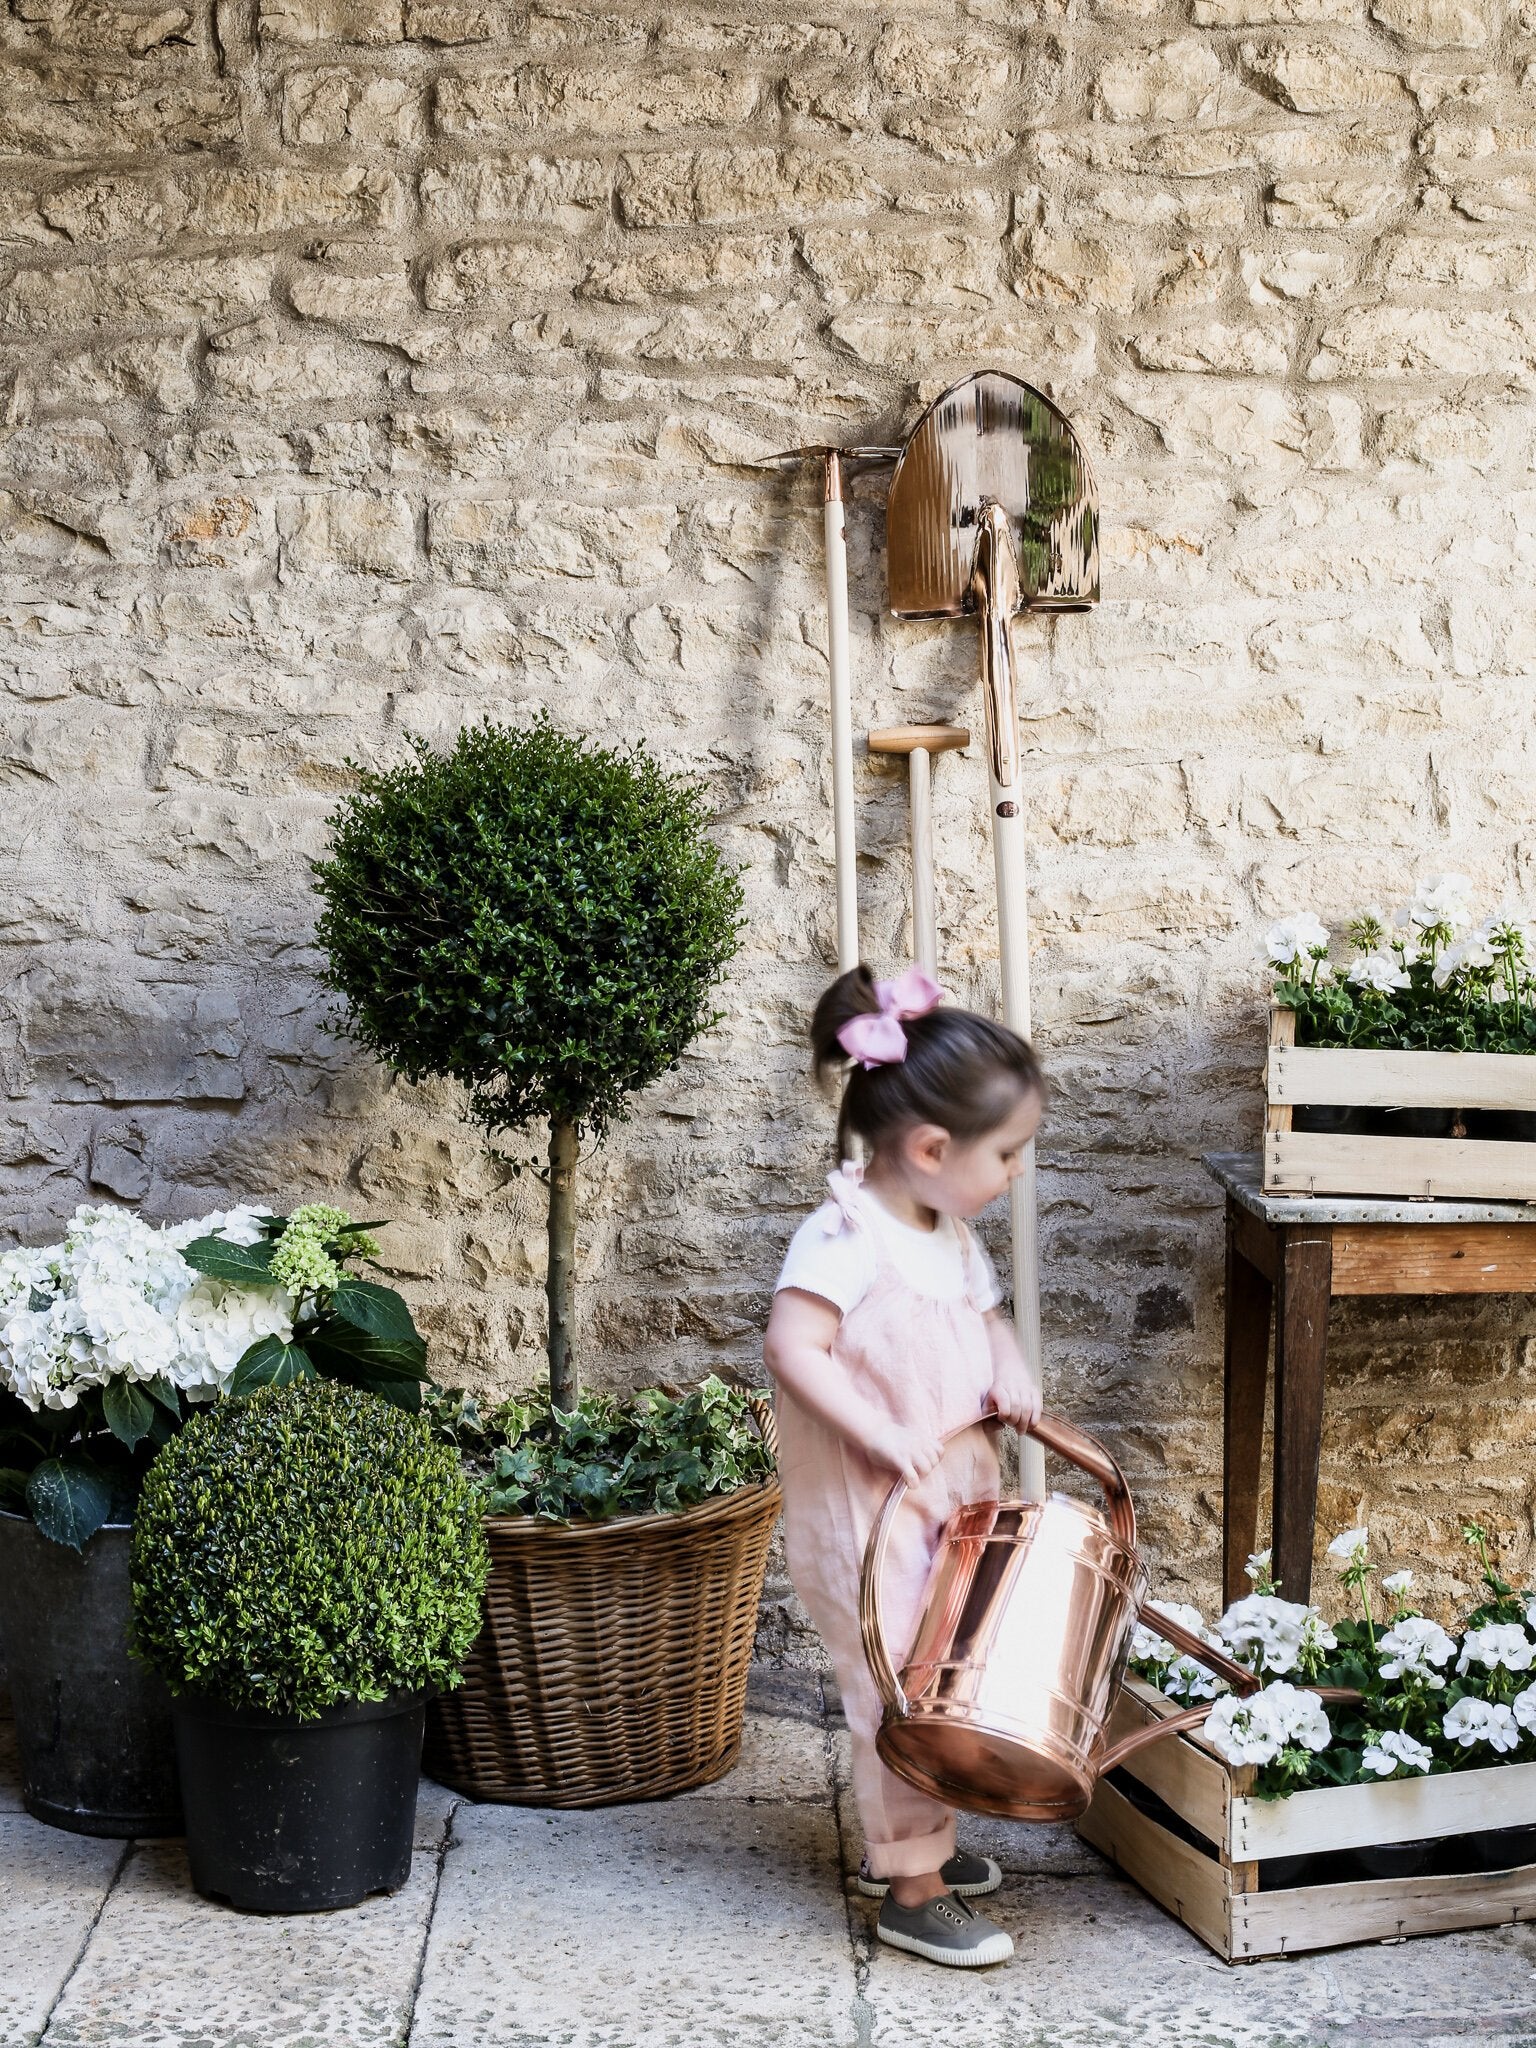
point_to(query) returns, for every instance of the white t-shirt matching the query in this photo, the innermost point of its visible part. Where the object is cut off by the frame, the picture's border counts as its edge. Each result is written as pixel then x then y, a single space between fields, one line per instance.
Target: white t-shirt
pixel 835 1260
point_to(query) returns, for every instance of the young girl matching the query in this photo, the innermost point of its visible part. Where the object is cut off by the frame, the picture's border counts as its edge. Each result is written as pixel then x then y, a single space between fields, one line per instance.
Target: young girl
pixel 885 1335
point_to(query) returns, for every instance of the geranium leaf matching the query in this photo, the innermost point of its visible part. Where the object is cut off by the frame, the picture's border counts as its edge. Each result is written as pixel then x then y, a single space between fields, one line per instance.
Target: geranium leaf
pixel 128 1410
pixel 270 1363
pixel 220 1260
pixel 69 1501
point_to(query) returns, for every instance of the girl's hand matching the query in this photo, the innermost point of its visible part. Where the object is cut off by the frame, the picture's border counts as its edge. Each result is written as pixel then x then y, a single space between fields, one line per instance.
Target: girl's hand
pixel 911 1453
pixel 1015 1394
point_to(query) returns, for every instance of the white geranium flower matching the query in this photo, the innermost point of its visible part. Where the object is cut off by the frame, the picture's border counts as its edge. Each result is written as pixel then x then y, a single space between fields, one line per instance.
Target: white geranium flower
pixel 1255 1730
pixel 1295 938
pixel 1397 1583
pixel 1270 1634
pixel 1348 1548
pixel 1473 1721
pixel 1258 1566
pixel 1415 1647
pixel 1189 1681
pixel 1500 1643
pixel 1442 900
pixel 1523 1707
pixel 1395 1749
pixel 1377 971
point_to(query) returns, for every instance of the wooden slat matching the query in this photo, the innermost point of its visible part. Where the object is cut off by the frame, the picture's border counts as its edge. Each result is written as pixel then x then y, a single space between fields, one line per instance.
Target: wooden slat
pixel 1356 1816
pixel 1318 1075
pixel 1453 1169
pixel 1453 1258
pixel 1332 1915
pixel 1196 1784
pixel 1282 1033
pixel 1255 1240
pixel 1188 1884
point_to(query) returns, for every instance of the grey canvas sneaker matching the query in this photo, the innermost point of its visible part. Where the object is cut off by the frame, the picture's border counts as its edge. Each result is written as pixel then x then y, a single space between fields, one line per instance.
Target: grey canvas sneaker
pixel 945 1930
pixel 968 1877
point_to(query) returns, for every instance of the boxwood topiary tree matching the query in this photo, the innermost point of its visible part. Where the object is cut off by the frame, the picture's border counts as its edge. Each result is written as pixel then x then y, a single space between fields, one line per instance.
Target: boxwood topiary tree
pixel 540 919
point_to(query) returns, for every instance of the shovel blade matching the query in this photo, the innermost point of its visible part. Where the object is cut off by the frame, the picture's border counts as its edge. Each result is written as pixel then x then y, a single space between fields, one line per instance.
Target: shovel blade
pixel 991 438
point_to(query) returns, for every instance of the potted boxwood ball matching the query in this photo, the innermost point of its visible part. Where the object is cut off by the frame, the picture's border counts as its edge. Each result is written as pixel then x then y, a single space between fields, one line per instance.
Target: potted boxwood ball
pixel 307 1570
pixel 543 921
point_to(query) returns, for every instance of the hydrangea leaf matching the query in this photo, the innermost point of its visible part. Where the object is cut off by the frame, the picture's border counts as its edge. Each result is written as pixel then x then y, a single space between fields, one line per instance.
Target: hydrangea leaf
pixel 270 1363
pixel 250 1264
pixel 376 1311
pixel 129 1411
pixel 69 1501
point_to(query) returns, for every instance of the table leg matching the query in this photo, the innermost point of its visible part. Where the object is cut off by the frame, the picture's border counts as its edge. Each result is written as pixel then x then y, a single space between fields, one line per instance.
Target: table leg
pixel 1301 1346
pixel 1245 1368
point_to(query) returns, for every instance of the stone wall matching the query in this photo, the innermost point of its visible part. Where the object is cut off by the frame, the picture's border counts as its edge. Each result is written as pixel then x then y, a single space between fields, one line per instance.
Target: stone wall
pixel 373 364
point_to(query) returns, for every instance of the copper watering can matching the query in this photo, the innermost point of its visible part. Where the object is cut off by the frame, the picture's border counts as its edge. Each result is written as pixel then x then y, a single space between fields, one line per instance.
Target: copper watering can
pixel 1004 1702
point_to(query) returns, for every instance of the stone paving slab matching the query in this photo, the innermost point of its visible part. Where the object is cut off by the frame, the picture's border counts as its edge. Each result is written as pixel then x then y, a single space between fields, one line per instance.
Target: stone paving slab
pixel 52 1886
pixel 693 1923
pixel 166 1969
pixel 782 1757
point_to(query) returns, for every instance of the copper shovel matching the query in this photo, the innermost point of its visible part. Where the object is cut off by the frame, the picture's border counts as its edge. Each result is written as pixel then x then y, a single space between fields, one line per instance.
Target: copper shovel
pixel 1004 1702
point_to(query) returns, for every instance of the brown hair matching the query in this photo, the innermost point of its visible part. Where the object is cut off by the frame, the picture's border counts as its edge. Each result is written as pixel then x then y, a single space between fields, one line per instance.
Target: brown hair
pixel 962 1071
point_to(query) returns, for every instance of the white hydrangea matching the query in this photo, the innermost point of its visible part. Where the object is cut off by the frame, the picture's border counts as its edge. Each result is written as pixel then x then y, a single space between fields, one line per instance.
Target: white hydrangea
pixel 1472 1721
pixel 1270 1634
pixel 1257 1729
pixel 116 1300
pixel 1395 1749
pixel 1500 1643
pixel 1415 1647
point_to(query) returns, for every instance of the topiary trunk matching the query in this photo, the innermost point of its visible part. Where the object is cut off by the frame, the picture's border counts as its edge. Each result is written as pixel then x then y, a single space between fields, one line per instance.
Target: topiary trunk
pixel 560 1282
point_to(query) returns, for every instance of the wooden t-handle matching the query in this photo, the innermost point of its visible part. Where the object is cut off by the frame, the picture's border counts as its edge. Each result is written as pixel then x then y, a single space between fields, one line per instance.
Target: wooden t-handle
pixel 914 739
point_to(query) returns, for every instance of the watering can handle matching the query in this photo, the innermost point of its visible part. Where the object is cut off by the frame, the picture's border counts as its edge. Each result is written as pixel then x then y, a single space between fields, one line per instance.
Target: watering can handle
pixel 1069 1442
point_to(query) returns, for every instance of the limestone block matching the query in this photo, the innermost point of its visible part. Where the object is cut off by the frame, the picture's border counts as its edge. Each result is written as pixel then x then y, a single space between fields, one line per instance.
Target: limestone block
pixel 1433 24
pixel 1194 276
pixel 357 532
pixel 378 305
pixel 1329 202
pixel 565 191
pixel 1062 271
pixel 253 365
pixel 714 186
pixel 1116 804
pixel 1176 83
pixel 154 373
pixel 235 203
pixel 113 209
pixel 757 42
pixel 1295 273
pixel 1213 345
pixel 1458 341
pixel 95 28
pixel 1316 77
pixel 894 338
pixel 1495 198
pixel 334 106
pixel 841 101
pixel 1279 13
pixel 934 62
pixel 901 267
pixel 508 271
pixel 130 1040
pixel 600 102
pixel 1483 263
pixel 462 21
pixel 61 111
pixel 376 22
pixel 674 270
pixel 117 1160
pixel 127 293
pixel 481 540
pixel 953 140
pixel 221 532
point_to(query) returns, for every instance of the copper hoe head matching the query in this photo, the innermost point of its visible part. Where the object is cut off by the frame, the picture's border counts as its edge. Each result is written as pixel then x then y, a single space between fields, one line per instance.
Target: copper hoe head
pixel 992 508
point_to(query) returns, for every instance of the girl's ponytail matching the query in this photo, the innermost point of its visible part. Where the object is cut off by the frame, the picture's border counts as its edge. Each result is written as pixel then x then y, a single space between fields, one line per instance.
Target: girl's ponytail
pixel 962 1071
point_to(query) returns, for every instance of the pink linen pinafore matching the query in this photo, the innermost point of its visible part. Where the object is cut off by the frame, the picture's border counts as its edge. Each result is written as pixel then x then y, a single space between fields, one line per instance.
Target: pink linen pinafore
pixel 926 1362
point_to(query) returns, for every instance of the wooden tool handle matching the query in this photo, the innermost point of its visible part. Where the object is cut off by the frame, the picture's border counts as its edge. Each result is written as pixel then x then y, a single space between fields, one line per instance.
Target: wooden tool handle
pixel 912 739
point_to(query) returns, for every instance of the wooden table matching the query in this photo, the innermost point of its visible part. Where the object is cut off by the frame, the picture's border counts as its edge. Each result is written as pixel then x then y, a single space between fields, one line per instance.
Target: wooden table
pixel 1288 1256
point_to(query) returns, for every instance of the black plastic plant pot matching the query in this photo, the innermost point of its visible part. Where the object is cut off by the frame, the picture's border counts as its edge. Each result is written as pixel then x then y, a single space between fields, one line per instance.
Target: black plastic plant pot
pixel 288 1816
pixel 1396 1859
pixel 93 1725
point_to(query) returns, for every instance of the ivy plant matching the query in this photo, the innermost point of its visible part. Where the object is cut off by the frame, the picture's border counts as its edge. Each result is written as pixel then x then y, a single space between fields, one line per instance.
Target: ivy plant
pixel 539 919
pixel 650 1453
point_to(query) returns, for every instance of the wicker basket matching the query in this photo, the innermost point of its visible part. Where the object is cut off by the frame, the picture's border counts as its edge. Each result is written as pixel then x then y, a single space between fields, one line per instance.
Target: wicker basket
pixel 613 1660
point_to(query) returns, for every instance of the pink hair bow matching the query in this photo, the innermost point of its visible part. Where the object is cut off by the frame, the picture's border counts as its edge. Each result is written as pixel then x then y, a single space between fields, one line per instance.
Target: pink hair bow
pixel 877 1039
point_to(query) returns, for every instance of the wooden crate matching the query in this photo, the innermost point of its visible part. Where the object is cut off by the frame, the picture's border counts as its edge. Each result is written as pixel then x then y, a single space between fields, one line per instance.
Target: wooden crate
pixel 1336 1163
pixel 1216 1885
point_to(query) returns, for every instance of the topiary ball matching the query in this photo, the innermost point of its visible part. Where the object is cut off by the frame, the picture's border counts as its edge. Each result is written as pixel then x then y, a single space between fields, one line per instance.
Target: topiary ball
pixel 308 1546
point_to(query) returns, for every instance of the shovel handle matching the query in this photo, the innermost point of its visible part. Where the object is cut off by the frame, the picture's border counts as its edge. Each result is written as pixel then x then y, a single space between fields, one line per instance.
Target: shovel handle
pixel 1068 1441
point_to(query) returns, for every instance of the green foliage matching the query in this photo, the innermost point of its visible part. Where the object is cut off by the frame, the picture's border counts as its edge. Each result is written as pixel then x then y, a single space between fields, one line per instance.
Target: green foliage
pixel 308 1546
pixel 649 1454
pixel 75 1469
pixel 537 918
